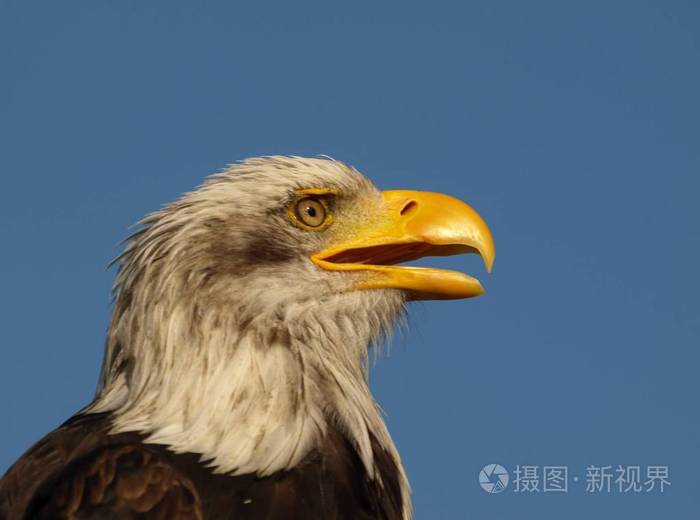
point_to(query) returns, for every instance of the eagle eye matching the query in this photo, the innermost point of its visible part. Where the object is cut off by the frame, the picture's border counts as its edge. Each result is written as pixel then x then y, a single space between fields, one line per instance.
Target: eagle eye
pixel 311 213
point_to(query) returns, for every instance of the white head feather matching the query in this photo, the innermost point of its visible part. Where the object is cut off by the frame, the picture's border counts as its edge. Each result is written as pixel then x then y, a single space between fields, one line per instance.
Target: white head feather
pixel 226 340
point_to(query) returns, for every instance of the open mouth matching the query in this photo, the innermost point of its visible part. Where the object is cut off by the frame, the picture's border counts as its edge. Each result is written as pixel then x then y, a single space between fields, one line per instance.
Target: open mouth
pixel 392 254
pixel 436 225
pixel 420 283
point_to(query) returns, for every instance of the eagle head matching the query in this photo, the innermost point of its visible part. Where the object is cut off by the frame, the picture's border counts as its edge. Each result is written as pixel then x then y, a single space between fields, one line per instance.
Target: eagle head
pixel 244 310
pixel 284 231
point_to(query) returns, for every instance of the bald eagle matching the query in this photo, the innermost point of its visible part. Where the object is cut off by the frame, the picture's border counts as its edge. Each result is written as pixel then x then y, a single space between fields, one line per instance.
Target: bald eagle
pixel 235 377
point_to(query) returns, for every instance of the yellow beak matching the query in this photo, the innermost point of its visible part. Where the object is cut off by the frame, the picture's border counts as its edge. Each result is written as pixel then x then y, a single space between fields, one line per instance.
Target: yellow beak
pixel 412 225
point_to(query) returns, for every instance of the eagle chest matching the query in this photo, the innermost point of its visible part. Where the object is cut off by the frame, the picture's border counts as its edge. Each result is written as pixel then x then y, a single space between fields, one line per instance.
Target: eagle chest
pixel 81 472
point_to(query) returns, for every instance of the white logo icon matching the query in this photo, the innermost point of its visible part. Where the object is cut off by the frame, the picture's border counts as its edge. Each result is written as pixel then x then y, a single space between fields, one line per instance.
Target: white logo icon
pixel 493 478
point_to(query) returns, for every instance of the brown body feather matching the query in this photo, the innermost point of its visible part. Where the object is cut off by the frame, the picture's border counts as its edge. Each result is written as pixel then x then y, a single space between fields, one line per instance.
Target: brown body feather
pixel 79 471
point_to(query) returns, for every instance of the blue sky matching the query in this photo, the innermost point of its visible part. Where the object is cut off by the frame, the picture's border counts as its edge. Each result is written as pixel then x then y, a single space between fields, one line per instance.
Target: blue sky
pixel 573 127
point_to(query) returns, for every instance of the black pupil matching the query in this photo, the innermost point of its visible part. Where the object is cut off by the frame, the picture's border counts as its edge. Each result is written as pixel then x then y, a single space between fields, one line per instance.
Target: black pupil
pixel 311 211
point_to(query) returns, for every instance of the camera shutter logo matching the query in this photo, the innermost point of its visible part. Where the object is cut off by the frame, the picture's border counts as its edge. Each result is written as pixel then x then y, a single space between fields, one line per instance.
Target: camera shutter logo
pixel 493 478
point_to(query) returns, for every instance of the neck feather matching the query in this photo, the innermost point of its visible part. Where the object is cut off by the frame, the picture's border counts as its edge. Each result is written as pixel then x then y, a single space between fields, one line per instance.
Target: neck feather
pixel 250 394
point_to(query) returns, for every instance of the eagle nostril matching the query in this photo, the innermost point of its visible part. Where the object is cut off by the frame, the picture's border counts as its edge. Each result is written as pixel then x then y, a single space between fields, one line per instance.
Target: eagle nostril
pixel 409 208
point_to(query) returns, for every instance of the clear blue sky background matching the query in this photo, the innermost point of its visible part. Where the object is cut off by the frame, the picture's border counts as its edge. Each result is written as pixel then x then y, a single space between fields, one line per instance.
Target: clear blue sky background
pixel 573 127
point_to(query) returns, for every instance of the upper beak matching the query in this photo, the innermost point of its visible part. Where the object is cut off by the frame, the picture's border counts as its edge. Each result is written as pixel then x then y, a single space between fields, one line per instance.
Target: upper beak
pixel 412 225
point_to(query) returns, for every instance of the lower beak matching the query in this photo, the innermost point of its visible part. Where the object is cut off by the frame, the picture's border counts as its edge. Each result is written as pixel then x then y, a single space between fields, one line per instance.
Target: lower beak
pixel 413 225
